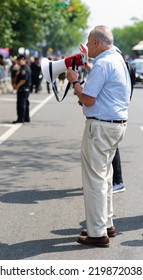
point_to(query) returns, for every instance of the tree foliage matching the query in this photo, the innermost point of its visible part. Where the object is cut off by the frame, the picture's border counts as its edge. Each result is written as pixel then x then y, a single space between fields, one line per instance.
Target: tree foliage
pixel 128 36
pixel 58 23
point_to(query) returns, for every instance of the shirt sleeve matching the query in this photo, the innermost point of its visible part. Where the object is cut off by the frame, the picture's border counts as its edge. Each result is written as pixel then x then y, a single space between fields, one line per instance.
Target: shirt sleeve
pixel 24 74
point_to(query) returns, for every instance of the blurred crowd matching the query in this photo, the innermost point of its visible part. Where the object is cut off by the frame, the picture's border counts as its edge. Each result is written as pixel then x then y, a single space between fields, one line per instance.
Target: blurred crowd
pixel 9 69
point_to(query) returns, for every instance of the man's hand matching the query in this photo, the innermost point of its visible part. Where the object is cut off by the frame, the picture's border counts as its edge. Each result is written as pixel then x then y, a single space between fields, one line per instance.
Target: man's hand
pixel 14 86
pixel 83 49
pixel 84 54
pixel 72 76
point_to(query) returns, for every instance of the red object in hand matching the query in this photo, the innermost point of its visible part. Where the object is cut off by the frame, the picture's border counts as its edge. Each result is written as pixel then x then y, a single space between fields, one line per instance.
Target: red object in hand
pixel 69 60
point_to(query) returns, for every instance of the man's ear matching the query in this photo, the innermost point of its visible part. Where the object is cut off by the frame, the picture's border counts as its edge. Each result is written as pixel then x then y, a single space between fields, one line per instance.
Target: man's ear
pixel 95 42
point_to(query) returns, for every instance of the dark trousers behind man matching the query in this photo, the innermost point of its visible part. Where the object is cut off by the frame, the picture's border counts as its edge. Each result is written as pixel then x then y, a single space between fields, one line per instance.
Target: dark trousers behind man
pixel 118 185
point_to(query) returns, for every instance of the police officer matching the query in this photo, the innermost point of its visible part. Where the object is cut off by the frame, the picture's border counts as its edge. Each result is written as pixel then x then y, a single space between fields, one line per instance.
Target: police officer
pixel 22 85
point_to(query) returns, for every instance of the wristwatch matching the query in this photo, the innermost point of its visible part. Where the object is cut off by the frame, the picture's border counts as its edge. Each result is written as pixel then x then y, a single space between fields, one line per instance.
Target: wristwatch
pixel 75 83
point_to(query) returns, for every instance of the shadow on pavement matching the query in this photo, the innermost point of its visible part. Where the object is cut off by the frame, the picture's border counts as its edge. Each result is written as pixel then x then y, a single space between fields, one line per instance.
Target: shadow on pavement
pixel 31 248
pixel 133 243
pixel 33 196
pixel 28 249
pixel 128 223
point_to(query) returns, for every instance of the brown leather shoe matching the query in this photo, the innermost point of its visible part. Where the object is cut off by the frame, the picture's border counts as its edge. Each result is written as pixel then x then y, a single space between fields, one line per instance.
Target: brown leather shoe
pixel 94 241
pixel 110 231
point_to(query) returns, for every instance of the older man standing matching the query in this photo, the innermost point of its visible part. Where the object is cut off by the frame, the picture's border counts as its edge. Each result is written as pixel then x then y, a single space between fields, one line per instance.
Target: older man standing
pixel 105 99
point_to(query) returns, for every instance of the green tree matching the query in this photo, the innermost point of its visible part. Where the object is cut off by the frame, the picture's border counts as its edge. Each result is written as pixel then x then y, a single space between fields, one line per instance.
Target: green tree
pixel 65 24
pixel 7 18
pixel 27 23
pixel 19 25
pixel 128 36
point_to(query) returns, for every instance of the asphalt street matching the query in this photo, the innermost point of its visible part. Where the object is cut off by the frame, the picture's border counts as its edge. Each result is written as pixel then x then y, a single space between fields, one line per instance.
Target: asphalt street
pixel 41 199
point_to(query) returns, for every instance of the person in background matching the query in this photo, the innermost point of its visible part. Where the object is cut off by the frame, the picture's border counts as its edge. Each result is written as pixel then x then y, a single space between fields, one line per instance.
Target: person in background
pixel 49 86
pixel 2 68
pixel 118 185
pixel 13 71
pixel 22 85
pixel 105 98
pixel 61 78
pixel 2 60
pixel 35 74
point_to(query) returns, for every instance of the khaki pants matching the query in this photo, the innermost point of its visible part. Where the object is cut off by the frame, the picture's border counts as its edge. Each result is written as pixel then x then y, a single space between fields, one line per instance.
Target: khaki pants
pixel 99 143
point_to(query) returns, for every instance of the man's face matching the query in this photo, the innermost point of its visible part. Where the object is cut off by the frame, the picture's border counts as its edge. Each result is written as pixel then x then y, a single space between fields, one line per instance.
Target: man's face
pixel 91 46
pixel 21 62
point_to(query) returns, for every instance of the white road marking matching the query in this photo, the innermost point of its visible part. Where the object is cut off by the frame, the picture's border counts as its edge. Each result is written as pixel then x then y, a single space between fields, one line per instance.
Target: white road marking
pixel 141 127
pixel 9 132
pixel 14 127
pixel 8 99
pixel 39 106
pixel 14 100
pixel 5 124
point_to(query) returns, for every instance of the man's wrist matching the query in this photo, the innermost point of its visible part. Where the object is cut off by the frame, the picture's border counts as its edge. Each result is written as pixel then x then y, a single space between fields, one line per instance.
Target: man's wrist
pixel 75 82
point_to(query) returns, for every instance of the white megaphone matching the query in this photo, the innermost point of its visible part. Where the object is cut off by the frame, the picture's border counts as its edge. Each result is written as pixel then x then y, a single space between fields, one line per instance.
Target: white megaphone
pixel 51 69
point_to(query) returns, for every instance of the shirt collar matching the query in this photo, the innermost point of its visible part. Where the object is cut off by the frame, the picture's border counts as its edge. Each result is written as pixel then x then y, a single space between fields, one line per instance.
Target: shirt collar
pixel 107 52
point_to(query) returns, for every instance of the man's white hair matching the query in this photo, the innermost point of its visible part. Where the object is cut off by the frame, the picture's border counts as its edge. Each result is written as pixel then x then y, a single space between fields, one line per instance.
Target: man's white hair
pixel 103 33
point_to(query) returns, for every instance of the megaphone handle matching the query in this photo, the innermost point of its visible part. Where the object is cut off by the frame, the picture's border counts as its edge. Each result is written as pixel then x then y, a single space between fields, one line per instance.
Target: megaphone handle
pixel 53 85
pixel 73 63
pixel 69 84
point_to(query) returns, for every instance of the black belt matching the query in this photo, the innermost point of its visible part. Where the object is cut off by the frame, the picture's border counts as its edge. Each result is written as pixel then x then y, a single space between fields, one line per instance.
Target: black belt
pixel 111 121
pixel 23 89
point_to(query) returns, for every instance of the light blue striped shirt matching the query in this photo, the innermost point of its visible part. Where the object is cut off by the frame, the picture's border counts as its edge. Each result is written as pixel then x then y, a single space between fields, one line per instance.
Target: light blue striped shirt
pixel 109 82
